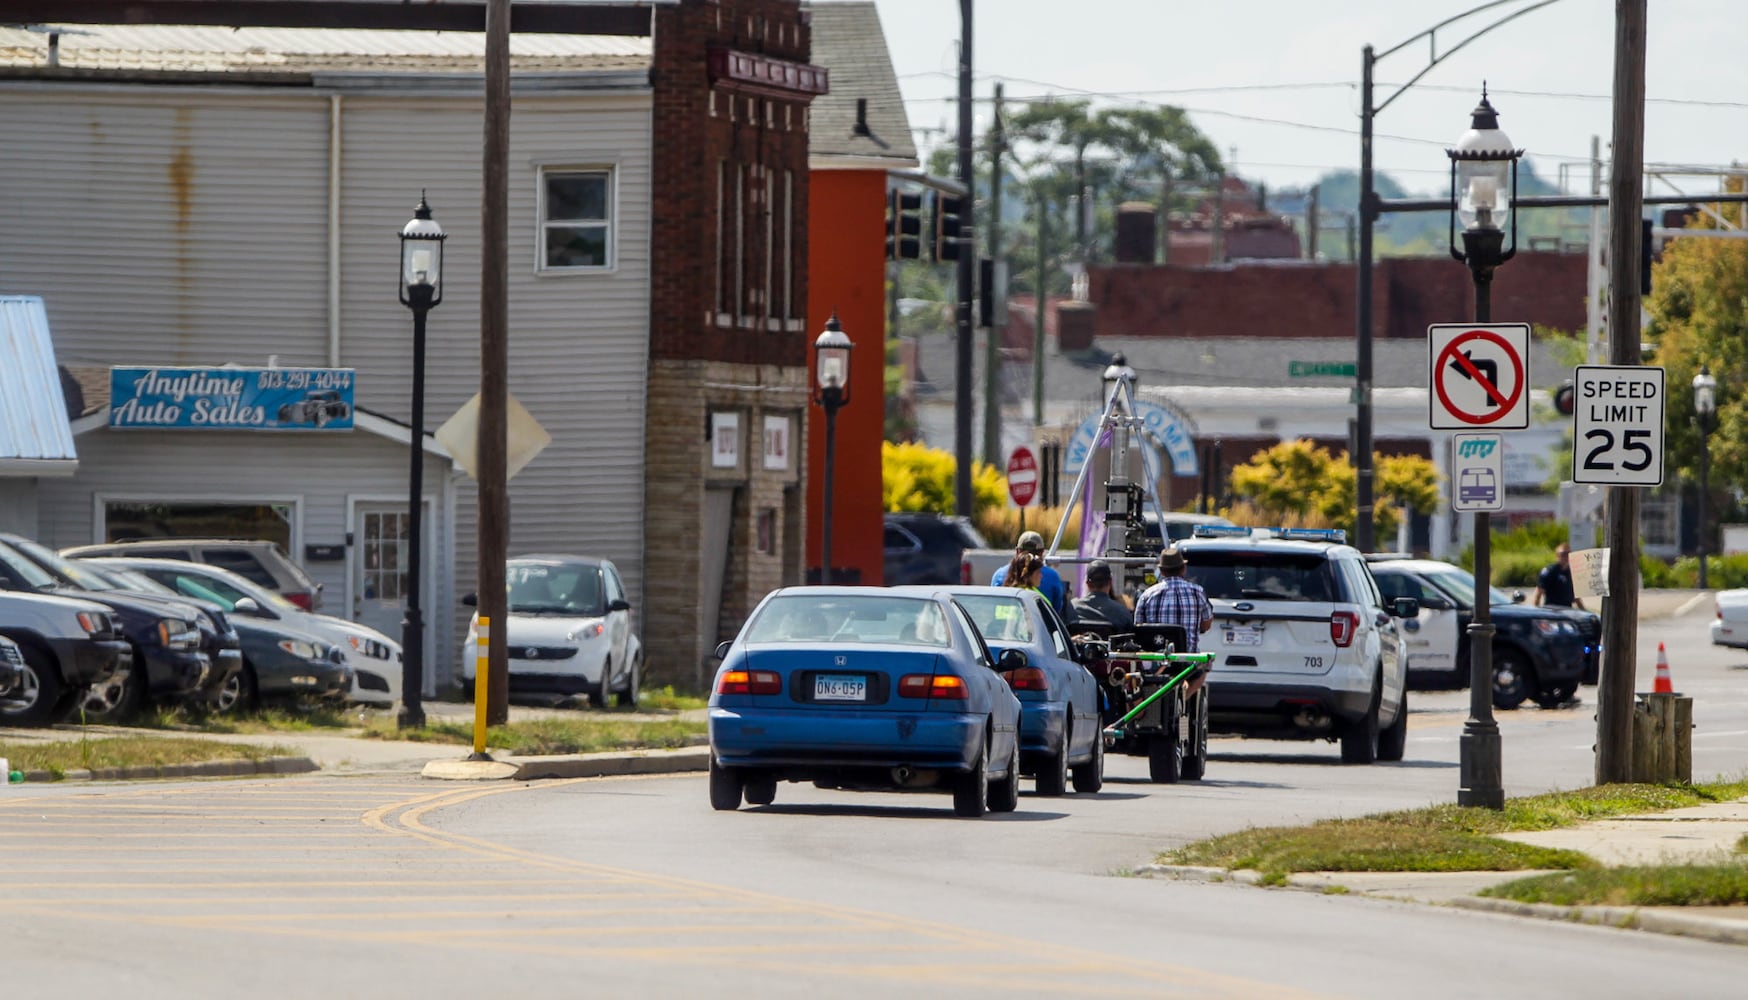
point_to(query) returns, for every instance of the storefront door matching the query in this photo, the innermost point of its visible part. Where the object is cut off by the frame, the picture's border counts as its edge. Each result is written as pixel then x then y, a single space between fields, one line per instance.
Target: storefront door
pixel 379 571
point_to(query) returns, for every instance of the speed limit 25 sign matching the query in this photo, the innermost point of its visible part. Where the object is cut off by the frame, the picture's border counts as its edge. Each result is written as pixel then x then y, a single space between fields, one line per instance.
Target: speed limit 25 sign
pixel 1617 415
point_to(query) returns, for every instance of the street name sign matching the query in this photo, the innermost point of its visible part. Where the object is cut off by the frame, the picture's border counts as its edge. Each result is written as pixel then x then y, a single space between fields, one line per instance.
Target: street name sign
pixel 1312 369
pixel 1617 416
pixel 1477 472
pixel 1022 476
pixel 1479 376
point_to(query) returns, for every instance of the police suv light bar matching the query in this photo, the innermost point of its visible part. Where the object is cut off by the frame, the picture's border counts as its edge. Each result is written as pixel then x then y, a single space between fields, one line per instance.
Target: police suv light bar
pixel 1219 531
pixel 1336 535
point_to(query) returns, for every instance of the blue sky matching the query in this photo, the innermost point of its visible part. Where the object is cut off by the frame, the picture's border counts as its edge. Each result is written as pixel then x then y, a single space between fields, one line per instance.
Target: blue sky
pixel 1278 80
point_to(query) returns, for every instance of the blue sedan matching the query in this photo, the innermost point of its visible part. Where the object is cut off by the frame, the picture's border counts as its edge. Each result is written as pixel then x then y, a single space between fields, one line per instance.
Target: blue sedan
pixel 1059 698
pixel 866 690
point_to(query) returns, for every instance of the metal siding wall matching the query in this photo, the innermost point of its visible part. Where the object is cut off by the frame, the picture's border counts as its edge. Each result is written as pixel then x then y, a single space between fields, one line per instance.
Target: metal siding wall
pixel 321 469
pixel 168 226
pixel 578 343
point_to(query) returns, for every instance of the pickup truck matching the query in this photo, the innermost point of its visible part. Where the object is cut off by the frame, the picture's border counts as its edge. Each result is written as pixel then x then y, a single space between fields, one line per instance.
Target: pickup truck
pixel 68 644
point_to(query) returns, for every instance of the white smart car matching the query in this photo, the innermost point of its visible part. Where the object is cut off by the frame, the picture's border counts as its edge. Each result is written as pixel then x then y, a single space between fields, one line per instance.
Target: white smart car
pixel 569 631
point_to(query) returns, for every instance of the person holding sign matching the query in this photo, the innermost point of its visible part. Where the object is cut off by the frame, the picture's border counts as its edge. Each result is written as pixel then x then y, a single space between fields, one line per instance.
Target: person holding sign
pixel 1554 582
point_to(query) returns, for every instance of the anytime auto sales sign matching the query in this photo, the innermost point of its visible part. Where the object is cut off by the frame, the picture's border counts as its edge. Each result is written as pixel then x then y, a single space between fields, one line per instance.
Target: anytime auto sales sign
pixel 232 399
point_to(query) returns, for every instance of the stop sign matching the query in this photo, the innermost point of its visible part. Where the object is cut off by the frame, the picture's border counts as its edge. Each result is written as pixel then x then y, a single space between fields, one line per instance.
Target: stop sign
pixel 1022 476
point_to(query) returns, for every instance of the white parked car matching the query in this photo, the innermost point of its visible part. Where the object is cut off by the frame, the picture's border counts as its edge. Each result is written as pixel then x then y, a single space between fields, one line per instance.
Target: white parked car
pixel 1730 628
pixel 375 658
pixel 569 631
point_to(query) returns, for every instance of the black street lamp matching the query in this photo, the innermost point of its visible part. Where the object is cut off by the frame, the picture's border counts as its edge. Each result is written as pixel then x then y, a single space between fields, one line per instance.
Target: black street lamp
pixel 831 390
pixel 1705 411
pixel 1483 184
pixel 421 290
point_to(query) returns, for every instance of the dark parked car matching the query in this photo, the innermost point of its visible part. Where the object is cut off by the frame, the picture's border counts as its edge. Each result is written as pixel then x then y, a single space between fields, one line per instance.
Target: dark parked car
pixel 1539 654
pixel 220 641
pixel 164 634
pixel 11 668
pixel 926 548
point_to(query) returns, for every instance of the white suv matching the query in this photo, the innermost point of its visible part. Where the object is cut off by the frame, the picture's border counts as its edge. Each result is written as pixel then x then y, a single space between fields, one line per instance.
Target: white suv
pixel 1305 647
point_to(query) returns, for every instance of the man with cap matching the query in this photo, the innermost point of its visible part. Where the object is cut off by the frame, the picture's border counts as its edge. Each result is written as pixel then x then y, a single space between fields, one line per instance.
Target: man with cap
pixel 1051 584
pixel 1099 604
pixel 1175 600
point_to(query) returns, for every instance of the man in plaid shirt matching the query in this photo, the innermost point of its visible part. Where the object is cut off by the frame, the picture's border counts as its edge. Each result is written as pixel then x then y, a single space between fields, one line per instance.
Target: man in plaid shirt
pixel 1176 601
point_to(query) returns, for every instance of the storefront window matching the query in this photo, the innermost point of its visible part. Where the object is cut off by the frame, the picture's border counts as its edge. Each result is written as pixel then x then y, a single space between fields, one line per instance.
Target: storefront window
pixel 129 520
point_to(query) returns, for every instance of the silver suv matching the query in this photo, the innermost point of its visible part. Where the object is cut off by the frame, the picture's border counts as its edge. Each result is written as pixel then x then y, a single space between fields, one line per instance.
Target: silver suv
pixel 1305 646
pixel 261 561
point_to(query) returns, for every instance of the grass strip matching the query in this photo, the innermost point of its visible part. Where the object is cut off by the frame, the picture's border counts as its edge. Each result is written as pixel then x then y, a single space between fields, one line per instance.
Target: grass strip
pixel 1443 837
pixel 553 736
pixel 60 756
pixel 1650 885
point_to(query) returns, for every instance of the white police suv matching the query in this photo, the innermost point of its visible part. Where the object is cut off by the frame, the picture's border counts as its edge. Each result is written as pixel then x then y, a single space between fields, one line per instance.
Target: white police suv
pixel 1305 646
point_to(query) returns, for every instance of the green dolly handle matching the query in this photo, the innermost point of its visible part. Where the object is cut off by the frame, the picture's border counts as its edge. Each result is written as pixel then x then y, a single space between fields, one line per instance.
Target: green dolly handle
pixel 1195 660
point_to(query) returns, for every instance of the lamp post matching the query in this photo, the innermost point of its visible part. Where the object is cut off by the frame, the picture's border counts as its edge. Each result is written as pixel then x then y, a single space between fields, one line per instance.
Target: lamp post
pixel 831 390
pixel 1705 409
pixel 421 290
pixel 1483 184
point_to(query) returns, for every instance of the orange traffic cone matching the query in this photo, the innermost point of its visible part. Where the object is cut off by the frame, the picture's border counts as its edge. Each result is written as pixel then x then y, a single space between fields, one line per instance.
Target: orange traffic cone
pixel 1663 684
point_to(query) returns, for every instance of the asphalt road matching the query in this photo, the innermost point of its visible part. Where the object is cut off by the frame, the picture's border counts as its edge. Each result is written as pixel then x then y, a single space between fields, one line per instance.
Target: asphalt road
pixel 384 887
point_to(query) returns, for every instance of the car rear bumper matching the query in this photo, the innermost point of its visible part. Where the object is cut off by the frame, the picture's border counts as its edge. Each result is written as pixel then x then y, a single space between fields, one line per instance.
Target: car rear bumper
pixel 1271 710
pixel 807 740
pixel 1724 635
pixel 1042 724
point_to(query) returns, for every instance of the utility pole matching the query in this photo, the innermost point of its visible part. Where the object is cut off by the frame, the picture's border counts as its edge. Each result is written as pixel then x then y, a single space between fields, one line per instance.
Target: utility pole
pixel 962 388
pixel 1311 224
pixel 1042 293
pixel 1594 273
pixel 1614 716
pixel 494 361
pixel 1217 232
pixel 1165 215
pixel 1362 390
pixel 992 451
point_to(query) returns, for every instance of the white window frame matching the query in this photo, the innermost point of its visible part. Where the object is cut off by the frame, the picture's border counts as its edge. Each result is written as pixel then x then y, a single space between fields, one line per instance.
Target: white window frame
pixel 610 224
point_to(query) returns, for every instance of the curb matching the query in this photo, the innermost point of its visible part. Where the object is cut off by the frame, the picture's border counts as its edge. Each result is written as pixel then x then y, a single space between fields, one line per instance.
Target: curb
pixel 594 765
pixel 241 767
pixel 1657 921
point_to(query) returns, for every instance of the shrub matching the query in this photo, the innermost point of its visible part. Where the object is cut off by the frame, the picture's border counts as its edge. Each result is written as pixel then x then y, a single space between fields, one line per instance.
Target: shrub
pixel 1000 526
pixel 915 477
pixel 1656 574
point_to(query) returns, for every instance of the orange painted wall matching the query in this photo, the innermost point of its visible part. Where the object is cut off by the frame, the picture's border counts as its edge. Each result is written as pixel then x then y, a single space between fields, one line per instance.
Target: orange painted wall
pixel 846 272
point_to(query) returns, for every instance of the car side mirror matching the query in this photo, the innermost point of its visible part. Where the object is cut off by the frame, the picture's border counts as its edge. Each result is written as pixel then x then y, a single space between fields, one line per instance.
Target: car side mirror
pixel 247 606
pixel 470 599
pixel 722 650
pixel 1405 607
pixel 1517 597
pixel 1012 659
pixel 1435 604
pixel 619 605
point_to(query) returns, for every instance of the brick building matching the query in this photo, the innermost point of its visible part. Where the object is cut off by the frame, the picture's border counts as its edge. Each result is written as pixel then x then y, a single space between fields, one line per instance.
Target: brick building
pixel 728 378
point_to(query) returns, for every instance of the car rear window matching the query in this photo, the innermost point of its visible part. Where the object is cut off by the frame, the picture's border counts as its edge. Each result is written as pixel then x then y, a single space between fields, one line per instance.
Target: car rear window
pixel 849 619
pixel 1257 575
pixel 241 562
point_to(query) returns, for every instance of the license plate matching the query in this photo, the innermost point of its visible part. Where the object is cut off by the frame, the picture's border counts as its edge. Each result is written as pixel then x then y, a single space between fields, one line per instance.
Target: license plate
pixel 836 687
pixel 1244 635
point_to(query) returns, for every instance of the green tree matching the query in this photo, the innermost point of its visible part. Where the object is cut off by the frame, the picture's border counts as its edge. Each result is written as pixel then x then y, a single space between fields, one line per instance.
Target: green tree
pixel 1297 482
pixel 1698 310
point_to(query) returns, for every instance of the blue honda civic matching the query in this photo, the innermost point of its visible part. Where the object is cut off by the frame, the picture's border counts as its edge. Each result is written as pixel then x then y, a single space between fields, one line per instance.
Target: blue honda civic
pixel 867 690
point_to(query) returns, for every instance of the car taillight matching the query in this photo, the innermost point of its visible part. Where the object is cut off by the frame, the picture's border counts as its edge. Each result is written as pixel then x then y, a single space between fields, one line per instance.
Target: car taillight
pixel 302 599
pixel 965 572
pixel 1342 626
pixel 932 686
pixel 1026 679
pixel 749 682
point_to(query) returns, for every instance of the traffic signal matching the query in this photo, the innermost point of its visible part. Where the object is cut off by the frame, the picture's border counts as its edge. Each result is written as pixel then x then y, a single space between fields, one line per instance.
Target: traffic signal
pixel 904 225
pixel 1564 398
pixel 947 227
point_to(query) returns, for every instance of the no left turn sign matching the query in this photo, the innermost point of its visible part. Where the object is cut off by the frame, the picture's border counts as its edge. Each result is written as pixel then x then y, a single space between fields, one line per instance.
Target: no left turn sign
pixel 1478 376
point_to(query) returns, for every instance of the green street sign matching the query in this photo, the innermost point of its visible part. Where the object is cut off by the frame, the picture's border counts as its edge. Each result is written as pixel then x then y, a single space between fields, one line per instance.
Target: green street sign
pixel 1308 369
